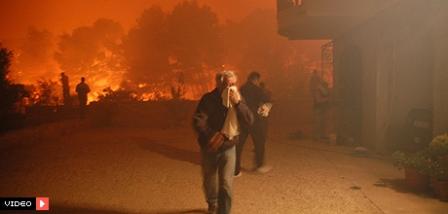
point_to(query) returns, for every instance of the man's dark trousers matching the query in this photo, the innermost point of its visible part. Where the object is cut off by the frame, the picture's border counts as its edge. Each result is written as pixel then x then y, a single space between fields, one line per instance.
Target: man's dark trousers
pixel 258 133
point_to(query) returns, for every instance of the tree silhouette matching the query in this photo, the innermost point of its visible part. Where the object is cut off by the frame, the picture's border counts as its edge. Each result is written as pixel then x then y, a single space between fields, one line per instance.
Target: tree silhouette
pixel 195 39
pixel 165 45
pixel 5 63
pixel 10 93
pixel 145 48
pixel 46 93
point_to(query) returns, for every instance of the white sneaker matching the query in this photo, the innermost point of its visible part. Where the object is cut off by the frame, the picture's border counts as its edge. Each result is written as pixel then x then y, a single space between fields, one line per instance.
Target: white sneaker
pixel 264 169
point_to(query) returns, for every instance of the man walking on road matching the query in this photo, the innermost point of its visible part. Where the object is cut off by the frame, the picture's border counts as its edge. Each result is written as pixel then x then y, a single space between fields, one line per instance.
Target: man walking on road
pixel 218 118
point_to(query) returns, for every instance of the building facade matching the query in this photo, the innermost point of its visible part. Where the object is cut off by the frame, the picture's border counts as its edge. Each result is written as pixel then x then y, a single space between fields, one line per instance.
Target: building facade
pixel 390 64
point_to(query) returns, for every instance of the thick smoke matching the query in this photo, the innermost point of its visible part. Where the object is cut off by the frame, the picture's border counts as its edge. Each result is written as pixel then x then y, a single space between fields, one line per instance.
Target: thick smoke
pixel 170 53
pixel 93 52
pixel 35 59
pixel 179 47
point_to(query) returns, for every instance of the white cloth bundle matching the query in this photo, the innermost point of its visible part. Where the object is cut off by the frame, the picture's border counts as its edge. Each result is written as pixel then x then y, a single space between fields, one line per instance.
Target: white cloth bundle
pixel 264 109
pixel 231 127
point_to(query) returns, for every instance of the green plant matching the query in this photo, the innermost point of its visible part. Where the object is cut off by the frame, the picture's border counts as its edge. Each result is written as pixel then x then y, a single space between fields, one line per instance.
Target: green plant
pixel 439 146
pixel 438 151
pixel 418 161
pixel 439 169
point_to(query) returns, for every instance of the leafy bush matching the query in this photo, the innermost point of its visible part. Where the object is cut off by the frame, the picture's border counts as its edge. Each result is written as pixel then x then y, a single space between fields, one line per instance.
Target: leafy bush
pixel 438 150
pixel 117 96
pixel 439 146
pixel 419 161
pixel 439 169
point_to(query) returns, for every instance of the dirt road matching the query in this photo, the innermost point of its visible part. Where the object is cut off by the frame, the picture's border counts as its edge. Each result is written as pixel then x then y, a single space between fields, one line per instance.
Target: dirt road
pixel 115 171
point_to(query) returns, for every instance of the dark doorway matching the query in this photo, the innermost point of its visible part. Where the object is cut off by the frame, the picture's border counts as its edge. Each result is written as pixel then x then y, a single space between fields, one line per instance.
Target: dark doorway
pixel 348 84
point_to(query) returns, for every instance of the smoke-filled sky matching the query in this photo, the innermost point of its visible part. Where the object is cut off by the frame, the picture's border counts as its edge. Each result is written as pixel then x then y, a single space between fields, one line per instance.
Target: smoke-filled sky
pixel 103 41
pixel 63 15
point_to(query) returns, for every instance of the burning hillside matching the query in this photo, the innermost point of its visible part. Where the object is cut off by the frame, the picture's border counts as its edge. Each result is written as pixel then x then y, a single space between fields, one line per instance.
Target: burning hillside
pixel 165 55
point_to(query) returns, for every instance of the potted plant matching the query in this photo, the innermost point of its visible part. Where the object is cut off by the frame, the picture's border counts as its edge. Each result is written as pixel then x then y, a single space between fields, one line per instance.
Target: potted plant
pixel 439 147
pixel 433 179
pixel 439 171
pixel 438 150
pixel 416 168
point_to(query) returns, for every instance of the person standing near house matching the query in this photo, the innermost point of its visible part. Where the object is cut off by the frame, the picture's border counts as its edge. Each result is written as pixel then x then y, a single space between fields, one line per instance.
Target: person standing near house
pixel 218 119
pixel 258 100
pixel 321 96
pixel 82 89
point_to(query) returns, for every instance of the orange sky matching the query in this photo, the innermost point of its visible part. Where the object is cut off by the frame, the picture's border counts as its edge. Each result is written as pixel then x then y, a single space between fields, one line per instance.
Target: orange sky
pixel 64 15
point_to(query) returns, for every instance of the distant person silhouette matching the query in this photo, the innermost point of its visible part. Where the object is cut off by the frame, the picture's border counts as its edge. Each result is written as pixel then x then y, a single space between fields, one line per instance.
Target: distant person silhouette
pixel 66 90
pixel 82 89
pixel 321 96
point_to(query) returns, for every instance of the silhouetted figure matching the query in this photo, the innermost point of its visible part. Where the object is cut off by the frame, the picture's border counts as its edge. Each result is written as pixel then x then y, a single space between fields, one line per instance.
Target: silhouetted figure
pixel 321 95
pixel 82 89
pixel 218 118
pixel 66 90
pixel 258 100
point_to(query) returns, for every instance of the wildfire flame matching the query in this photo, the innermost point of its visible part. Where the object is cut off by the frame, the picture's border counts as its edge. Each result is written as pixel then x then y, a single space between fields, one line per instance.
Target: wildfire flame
pixel 107 79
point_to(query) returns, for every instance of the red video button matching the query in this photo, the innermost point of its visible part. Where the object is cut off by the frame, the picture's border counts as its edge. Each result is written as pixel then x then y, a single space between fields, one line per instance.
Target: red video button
pixel 42 203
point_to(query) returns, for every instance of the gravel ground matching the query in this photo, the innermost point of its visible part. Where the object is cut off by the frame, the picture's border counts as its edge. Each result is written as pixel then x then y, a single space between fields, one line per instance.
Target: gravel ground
pixel 117 171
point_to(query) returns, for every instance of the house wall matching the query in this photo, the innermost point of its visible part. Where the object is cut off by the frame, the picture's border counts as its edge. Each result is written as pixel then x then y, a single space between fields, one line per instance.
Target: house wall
pixel 325 19
pixel 440 95
pixel 345 7
pixel 397 72
pixel 385 66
